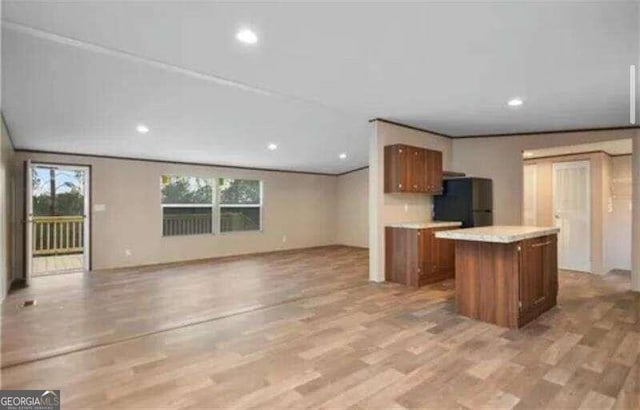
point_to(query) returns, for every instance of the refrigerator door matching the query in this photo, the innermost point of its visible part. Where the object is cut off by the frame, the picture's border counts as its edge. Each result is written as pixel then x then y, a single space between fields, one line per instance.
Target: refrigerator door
pixel 482 197
pixel 482 218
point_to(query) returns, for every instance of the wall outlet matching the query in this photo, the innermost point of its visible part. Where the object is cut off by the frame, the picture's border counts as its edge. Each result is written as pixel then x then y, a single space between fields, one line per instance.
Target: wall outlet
pixel 127 252
pixel 406 207
pixel 284 238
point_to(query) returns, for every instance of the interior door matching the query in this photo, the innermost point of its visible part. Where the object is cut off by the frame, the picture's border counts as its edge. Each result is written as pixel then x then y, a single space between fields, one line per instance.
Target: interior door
pixel 572 214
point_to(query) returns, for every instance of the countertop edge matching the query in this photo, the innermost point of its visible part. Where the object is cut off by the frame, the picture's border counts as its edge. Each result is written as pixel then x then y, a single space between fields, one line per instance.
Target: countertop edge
pixel 424 225
pixel 507 238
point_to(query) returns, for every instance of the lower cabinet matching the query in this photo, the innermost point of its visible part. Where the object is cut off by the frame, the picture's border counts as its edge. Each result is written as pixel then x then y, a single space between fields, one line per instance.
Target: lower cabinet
pixel 415 257
pixel 507 284
pixel 538 277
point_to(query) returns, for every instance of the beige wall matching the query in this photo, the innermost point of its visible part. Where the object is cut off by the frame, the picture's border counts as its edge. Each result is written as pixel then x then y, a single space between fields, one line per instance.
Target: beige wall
pixel 300 206
pixel 352 210
pixel 600 192
pixel 6 220
pixel 389 208
pixel 500 158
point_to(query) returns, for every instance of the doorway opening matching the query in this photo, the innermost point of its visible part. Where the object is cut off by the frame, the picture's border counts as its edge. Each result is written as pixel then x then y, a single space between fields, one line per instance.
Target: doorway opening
pixel 57 231
pixel 585 190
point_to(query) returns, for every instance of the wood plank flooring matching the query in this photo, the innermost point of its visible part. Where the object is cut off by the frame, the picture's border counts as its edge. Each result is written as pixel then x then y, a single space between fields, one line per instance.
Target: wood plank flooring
pixel 305 329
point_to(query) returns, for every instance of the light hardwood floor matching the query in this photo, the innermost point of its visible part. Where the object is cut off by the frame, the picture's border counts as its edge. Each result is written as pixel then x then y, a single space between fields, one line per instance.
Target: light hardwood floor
pixel 305 329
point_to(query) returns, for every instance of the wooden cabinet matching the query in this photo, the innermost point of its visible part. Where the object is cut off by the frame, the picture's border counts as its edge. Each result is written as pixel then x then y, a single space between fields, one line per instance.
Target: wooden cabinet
pixel 415 257
pixel 508 284
pixel 538 276
pixel 433 165
pixel 412 169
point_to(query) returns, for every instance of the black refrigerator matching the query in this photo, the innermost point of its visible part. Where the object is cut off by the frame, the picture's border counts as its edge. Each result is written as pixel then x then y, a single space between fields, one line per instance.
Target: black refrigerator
pixel 469 200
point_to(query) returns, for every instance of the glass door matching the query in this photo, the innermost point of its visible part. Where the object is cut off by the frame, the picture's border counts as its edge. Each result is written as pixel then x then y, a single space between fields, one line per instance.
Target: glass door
pixel 57 224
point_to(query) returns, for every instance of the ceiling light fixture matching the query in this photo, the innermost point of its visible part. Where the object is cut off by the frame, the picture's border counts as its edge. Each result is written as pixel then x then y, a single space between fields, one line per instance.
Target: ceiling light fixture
pixel 343 155
pixel 247 36
pixel 514 102
pixel 142 129
pixel 272 147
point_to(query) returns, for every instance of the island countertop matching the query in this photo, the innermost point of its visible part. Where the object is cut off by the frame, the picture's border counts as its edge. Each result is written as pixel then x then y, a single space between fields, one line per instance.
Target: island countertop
pixel 424 225
pixel 498 233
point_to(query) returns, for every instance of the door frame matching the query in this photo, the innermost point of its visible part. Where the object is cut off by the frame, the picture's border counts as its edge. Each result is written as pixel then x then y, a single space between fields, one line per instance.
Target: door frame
pixel 27 205
pixel 562 164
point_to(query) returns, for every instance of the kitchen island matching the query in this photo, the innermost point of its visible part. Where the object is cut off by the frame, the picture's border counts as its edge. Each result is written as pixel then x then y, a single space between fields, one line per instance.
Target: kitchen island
pixel 506 275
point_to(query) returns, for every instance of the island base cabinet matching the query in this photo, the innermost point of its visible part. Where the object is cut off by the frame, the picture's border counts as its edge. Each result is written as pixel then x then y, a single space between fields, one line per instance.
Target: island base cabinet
pixel 508 284
pixel 415 257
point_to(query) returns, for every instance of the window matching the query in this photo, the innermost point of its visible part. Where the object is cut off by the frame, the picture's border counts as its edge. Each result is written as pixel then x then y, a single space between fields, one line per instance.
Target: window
pixel 240 205
pixel 187 205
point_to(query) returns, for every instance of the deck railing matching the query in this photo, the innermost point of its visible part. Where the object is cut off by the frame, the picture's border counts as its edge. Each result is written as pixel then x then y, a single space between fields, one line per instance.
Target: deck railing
pixel 186 224
pixel 200 223
pixel 58 235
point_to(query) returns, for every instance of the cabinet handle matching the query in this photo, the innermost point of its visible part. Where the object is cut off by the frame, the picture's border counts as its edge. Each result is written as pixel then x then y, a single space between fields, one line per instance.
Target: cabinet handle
pixel 538 245
pixel 399 185
pixel 400 150
pixel 415 186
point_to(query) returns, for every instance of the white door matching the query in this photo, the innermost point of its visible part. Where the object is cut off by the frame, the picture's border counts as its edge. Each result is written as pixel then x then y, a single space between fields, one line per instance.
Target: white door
pixel 530 184
pixel 572 214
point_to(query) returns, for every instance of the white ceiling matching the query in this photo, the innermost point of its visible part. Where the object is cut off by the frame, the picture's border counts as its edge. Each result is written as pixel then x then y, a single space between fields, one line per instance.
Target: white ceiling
pixel 613 147
pixel 318 73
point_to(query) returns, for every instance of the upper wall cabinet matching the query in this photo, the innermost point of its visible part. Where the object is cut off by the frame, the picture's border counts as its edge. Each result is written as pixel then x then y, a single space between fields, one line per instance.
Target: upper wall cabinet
pixel 412 169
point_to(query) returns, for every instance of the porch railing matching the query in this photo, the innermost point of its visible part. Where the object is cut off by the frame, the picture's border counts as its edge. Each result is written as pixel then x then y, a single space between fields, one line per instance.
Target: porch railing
pixel 186 224
pixel 58 235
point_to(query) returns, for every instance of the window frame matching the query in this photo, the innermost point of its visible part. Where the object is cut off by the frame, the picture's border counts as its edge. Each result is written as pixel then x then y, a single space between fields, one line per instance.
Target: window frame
pixel 259 205
pixel 216 205
pixel 214 198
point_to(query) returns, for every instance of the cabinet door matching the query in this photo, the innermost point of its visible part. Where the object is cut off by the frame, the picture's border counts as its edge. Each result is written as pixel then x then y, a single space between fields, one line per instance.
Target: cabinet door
pixel 434 171
pixel 417 169
pixel 537 285
pixel 426 257
pixel 446 258
pixel 443 256
pixel 396 169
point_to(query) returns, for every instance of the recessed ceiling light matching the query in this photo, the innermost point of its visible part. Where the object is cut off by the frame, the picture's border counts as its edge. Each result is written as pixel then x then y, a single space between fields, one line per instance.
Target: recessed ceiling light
pixel 142 129
pixel 272 147
pixel 247 36
pixel 343 155
pixel 514 102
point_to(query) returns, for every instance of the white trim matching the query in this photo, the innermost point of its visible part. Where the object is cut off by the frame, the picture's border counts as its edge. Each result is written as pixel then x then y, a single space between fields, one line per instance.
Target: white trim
pixel 28 223
pixel 187 205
